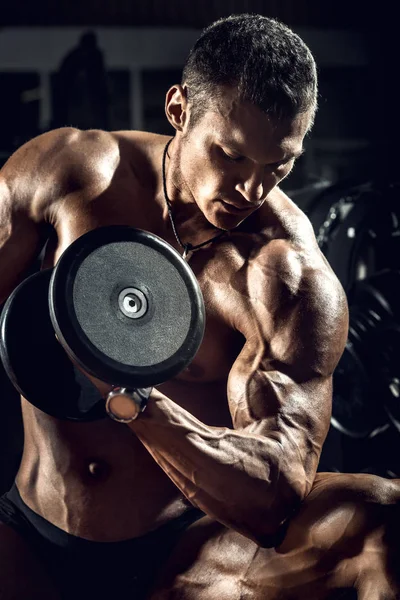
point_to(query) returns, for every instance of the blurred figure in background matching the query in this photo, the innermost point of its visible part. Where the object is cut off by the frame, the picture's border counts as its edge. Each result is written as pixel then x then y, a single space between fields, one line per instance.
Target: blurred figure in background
pixel 80 87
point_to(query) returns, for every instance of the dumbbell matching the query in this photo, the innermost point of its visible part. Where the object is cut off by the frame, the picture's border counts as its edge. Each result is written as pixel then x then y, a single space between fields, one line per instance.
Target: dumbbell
pixel 120 305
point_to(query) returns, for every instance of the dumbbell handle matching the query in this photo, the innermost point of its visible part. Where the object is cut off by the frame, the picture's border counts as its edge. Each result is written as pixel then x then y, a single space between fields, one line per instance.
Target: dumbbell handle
pixel 125 405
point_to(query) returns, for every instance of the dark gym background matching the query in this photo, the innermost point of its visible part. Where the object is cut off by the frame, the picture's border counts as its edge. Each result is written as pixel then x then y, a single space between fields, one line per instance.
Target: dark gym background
pixel 108 63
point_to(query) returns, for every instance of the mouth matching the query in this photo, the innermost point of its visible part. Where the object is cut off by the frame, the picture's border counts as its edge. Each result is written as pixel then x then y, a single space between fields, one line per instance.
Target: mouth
pixel 236 209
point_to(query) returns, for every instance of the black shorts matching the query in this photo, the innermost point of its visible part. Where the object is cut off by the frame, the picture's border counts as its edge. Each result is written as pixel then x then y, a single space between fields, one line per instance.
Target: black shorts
pixel 83 569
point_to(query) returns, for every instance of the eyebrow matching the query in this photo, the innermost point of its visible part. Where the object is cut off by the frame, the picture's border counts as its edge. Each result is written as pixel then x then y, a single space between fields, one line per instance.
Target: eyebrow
pixel 232 145
pixel 289 156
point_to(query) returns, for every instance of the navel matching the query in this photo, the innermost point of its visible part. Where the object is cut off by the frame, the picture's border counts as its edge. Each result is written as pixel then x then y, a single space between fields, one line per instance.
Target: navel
pixel 98 469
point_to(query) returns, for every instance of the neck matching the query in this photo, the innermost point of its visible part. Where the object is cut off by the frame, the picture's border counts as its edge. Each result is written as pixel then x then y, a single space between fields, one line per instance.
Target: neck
pixel 189 224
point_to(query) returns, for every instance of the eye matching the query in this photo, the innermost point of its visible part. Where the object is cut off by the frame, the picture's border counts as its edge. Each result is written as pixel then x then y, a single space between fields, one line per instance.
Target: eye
pixel 231 156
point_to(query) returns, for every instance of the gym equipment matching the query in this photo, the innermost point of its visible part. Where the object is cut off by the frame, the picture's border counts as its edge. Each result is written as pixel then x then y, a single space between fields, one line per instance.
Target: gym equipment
pixel 366 383
pixel 120 305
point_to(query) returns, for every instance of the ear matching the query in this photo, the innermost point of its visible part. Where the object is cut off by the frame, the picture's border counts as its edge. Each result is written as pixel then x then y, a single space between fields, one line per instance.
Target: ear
pixel 176 107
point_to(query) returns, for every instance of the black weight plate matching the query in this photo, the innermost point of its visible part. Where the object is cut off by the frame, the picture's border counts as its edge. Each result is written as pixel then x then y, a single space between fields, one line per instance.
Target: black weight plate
pixel 380 292
pixel 356 411
pixel 35 361
pixel 84 295
pixel 387 341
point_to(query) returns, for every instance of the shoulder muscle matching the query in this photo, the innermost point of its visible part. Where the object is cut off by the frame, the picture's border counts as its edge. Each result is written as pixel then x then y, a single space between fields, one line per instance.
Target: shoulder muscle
pixel 301 308
pixel 54 164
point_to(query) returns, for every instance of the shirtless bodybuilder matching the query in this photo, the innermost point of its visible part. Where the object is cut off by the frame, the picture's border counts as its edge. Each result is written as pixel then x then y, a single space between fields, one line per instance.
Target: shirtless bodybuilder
pixel 97 508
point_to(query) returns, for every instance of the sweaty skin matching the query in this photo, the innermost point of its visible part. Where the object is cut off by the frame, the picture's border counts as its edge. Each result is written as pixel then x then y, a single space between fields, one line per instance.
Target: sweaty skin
pixel 239 433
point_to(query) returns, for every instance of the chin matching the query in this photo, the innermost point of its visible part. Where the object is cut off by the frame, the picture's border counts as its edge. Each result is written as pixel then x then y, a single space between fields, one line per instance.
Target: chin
pixel 227 222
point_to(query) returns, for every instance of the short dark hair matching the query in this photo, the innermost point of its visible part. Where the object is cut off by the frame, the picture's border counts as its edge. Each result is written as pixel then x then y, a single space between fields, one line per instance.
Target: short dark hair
pixel 269 65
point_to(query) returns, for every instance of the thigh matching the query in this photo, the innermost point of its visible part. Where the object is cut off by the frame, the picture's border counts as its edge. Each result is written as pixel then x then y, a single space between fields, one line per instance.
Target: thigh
pixel 22 576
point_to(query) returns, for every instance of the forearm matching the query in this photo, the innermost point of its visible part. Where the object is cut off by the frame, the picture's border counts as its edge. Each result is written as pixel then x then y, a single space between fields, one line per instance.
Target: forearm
pixel 234 477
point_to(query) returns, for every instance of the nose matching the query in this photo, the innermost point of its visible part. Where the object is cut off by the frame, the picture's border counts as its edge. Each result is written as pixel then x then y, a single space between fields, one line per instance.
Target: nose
pixel 252 187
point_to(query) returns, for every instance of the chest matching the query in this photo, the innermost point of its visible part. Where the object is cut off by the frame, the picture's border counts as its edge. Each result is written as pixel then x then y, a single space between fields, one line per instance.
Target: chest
pixel 220 273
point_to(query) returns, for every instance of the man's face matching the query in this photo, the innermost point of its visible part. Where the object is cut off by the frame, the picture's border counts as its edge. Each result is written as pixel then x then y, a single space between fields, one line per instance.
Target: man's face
pixel 233 157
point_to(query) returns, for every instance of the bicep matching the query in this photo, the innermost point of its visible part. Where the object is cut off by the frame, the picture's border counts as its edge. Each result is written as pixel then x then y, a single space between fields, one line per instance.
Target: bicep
pixel 266 399
pixel 282 378
pixel 267 396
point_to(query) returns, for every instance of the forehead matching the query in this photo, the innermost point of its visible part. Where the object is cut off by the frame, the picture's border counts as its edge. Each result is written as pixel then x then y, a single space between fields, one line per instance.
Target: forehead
pixel 243 125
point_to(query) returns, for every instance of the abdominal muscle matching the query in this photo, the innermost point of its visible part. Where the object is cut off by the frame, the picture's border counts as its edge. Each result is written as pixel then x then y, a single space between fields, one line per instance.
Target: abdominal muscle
pixel 93 480
pixel 96 480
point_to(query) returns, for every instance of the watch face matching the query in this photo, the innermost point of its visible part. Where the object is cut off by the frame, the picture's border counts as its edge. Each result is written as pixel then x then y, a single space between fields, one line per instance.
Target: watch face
pixel 123 406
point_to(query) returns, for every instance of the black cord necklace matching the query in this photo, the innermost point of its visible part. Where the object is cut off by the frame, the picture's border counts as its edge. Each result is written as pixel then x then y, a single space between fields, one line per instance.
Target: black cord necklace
pixel 186 247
